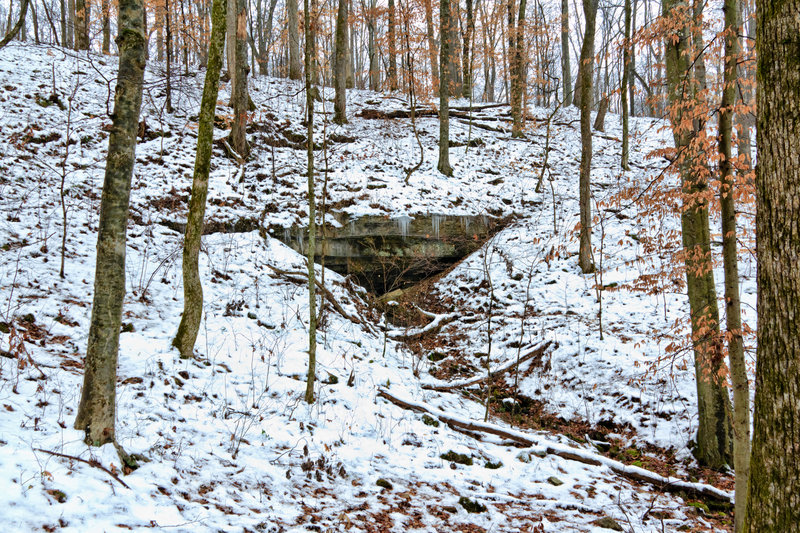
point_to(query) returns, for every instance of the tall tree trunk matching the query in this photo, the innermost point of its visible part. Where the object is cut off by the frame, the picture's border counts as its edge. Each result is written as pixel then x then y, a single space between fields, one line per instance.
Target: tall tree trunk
pixel 63 21
pixel 340 65
pixel 444 95
pixel 632 65
pixel 312 212
pixel 714 446
pixel 585 77
pixel 392 34
pixel 192 288
pixel 431 45
pixel 774 496
pixel 516 42
pixel 168 24
pixel 82 18
pixel 565 68
pixel 294 39
pixel 730 255
pixel 105 9
pixel 466 86
pixel 239 96
pixel 98 397
pixel 626 69
pixel 374 65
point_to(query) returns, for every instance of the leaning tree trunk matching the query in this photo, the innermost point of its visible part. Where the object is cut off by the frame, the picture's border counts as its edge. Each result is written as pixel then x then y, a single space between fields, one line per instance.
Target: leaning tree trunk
pixel 730 255
pixel 340 65
pixel 192 288
pixel 714 446
pixel 98 397
pixel 294 40
pixel 23 10
pixel 312 212
pixel 444 94
pixel 774 496
pixel 585 77
pixel 239 95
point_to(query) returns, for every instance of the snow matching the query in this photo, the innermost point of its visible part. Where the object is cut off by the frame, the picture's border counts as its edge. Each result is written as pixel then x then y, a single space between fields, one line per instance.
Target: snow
pixel 231 443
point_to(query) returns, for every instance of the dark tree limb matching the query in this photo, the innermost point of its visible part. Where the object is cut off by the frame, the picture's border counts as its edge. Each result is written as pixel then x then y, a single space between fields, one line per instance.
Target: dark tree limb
pixel 23 11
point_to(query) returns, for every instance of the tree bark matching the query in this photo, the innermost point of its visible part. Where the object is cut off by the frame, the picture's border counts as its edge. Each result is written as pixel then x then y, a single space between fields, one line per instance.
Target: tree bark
pixel 312 214
pixel 98 396
pixel 516 42
pixel 466 85
pixel 340 65
pixel 192 288
pixel 105 8
pixel 730 255
pixel 431 46
pixel 566 73
pixel 82 18
pixel 774 495
pixel 714 446
pixel 444 94
pixel 239 96
pixel 294 39
pixel 626 69
pixel 585 77
pixel 392 34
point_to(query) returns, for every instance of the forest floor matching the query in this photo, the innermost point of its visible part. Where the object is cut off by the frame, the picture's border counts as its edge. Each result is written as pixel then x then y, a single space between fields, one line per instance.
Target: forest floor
pixel 230 443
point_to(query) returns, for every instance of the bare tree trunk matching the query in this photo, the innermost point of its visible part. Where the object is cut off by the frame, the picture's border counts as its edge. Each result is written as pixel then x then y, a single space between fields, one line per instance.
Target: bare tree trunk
pixel 340 65
pixel 392 47
pixel 168 24
pixel 312 214
pixel 374 66
pixel 566 73
pixel 632 65
pixel 82 18
pixel 63 21
pixel 466 85
pixel 98 397
pixel 516 42
pixel 444 95
pixel 192 288
pixel 294 40
pixel 105 8
pixel 730 255
pixel 626 69
pixel 431 46
pixel 774 495
pixel 714 444
pixel 239 96
pixel 585 78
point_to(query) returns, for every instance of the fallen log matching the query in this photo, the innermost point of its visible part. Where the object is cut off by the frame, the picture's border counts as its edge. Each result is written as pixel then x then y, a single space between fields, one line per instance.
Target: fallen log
pixel 451 385
pixel 635 473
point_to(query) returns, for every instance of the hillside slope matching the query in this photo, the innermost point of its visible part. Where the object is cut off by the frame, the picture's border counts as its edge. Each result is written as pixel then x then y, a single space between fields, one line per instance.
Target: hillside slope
pixel 229 441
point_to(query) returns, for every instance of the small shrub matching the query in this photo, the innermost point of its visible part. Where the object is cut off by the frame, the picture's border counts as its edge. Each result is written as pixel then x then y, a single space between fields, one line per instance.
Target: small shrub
pixel 459 458
pixel 471 506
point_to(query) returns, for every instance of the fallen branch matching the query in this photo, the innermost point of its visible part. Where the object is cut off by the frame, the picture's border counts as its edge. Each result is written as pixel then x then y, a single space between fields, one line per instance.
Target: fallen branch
pixel 89 462
pixel 448 386
pixel 667 484
pixel 438 322
pixel 300 277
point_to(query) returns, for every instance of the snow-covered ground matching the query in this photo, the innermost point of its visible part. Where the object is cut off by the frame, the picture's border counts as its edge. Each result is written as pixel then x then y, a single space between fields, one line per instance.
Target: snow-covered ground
pixel 231 444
